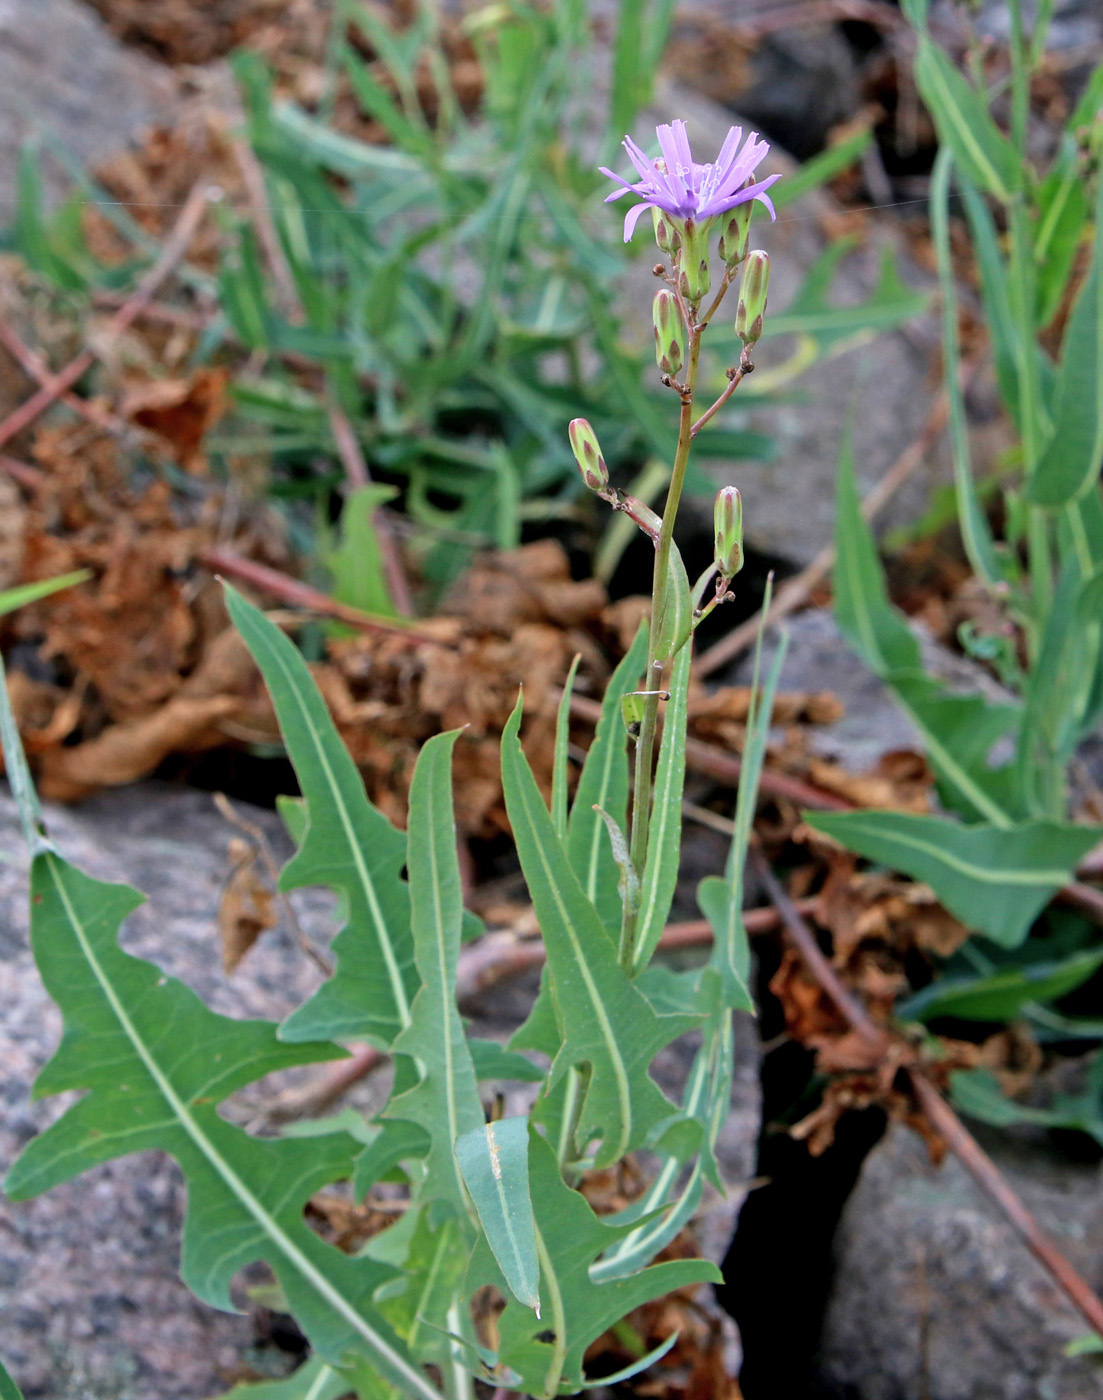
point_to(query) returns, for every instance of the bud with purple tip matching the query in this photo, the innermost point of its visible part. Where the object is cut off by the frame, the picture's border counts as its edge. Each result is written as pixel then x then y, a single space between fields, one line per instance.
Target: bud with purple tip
pixel 587 454
pixel 752 297
pixel 732 246
pixel 666 232
pixel 670 333
pixel 727 519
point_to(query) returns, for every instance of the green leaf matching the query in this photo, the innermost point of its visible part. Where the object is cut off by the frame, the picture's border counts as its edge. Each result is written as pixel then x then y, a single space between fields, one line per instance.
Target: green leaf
pixel 156 1063
pixel 1090 1344
pixel 494 1160
pixel 603 783
pixel 559 764
pixel 1070 463
pixel 1002 995
pixel 606 1022
pixel 8 1388
pixel 395 1141
pixel 664 846
pixel 356 564
pixel 493 1061
pixel 348 846
pixel 12 598
pixel 977 1092
pixel 423 1303
pixel 1062 213
pixel 314 1380
pixel 975 534
pixel 833 328
pixel 995 880
pixel 721 899
pixel 958 730
pixel 445 1101
pixel 815 173
pixel 676 619
pixel 575 1310
pixel 964 125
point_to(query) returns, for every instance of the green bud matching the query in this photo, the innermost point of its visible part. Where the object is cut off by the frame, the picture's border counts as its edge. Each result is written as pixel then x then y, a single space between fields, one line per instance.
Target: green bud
pixel 727 517
pixel 670 333
pixel 587 454
pixel 666 232
pixel 732 246
pixel 694 260
pixel 752 297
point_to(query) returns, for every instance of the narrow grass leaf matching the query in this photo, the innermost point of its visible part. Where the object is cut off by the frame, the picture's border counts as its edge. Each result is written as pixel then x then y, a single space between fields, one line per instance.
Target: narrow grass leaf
pixel 995 880
pixel 1070 463
pixel 8 1388
pixel 445 1101
pixel 965 124
pixel 348 846
pixel 559 764
pixel 19 597
pixel 494 1160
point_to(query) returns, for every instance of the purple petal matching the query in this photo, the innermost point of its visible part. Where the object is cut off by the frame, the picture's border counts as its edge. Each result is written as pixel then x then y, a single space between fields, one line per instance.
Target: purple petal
pixel 645 167
pixel 632 218
pixel 681 141
pixel 722 203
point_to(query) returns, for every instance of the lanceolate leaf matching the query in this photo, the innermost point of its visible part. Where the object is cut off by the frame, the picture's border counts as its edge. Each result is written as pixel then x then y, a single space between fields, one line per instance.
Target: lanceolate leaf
pixel 559 766
pixel 964 124
pixel 606 1022
pixel 445 1101
pixel 1002 995
pixel 348 846
pixel 664 848
pixel 156 1063
pixel 996 881
pixel 314 1380
pixel 494 1160
pixel 603 783
pixel 1070 463
pixel 8 1388
pixel 547 1353
pixel 958 730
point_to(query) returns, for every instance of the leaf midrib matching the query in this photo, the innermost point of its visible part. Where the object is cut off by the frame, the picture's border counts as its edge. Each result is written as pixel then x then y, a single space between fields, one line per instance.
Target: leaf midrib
pixel 229 1177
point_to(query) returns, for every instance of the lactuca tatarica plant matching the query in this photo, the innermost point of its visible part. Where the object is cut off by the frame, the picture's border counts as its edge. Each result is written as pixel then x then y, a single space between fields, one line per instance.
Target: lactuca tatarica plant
pixel 493 1205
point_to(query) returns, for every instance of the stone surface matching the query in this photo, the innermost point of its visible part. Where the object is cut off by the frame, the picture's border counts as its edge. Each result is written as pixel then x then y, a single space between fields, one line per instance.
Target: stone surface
pixel 936 1298
pixel 63 75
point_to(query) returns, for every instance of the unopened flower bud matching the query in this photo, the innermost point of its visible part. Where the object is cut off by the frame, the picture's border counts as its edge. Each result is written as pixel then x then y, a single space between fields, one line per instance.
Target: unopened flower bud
pixel 727 517
pixel 666 232
pixel 732 246
pixel 752 297
pixel 587 454
pixel 670 333
pixel 694 260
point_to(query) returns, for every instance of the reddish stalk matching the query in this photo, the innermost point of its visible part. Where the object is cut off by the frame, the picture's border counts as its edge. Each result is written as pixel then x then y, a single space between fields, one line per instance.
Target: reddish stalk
pixel 35 365
pixel 969 1152
pixel 172 253
pixel 301 595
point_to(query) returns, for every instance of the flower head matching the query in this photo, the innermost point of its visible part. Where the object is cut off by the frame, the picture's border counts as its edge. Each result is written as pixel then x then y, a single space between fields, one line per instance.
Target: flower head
pixel 685 190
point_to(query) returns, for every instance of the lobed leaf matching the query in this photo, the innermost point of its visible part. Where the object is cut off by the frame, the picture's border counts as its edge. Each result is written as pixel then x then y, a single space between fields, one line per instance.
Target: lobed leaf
pixel 606 1022
pixel 155 1063
pixel 547 1353
pixel 445 1101
pixel 348 846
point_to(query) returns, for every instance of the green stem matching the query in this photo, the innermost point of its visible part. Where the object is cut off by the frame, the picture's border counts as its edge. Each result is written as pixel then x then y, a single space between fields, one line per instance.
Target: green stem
pixel 645 744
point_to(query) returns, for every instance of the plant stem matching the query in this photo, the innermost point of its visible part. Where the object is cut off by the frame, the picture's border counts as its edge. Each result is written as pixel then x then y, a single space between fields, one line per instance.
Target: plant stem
pixel 645 744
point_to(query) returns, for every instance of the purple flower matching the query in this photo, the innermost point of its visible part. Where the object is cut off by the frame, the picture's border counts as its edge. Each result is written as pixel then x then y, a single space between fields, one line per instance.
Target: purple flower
pixel 680 187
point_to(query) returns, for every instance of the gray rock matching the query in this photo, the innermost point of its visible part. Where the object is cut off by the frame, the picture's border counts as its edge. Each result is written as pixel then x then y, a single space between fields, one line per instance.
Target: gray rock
pixel 936 1298
pixel 62 74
